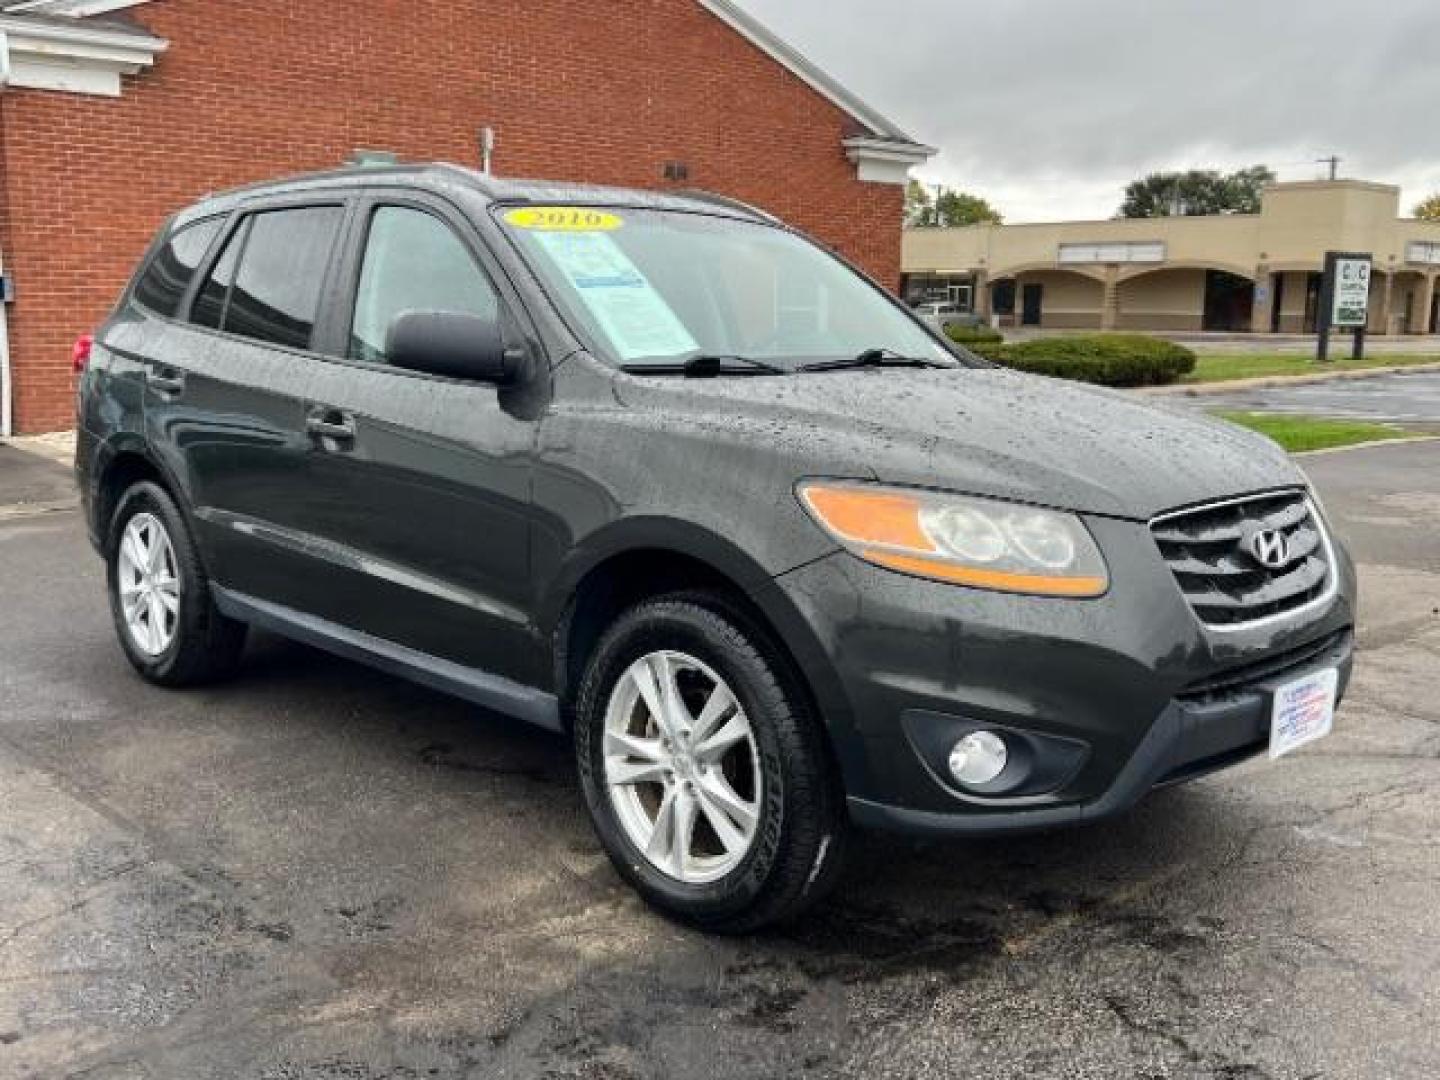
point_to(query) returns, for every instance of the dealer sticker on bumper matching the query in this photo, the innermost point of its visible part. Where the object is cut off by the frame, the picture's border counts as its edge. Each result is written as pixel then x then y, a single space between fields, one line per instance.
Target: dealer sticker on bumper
pixel 1303 711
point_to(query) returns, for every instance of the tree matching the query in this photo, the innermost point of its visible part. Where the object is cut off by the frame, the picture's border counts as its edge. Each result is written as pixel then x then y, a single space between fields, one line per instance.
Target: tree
pixel 919 206
pixel 955 209
pixel 1196 192
pixel 948 209
pixel 1429 210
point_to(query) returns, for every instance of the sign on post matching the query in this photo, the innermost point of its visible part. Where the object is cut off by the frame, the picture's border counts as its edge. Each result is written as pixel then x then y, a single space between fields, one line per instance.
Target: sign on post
pixel 1351 306
pixel 1345 299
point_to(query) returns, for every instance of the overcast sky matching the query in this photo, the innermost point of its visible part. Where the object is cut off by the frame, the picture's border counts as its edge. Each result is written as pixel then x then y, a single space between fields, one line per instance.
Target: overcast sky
pixel 1049 107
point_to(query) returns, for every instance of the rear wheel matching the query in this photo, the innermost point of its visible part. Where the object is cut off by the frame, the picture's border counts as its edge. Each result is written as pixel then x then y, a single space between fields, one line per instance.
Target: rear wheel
pixel 708 781
pixel 160 597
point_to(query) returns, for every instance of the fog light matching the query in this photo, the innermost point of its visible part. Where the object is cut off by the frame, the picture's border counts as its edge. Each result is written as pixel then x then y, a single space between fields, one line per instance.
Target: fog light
pixel 978 758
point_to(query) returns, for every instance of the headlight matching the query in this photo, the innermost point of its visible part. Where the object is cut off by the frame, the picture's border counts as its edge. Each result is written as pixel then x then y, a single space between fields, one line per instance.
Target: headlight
pixel 978 542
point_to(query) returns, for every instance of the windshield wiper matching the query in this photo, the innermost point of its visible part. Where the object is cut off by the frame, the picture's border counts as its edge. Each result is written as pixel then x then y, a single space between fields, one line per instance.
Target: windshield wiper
pixel 709 366
pixel 875 358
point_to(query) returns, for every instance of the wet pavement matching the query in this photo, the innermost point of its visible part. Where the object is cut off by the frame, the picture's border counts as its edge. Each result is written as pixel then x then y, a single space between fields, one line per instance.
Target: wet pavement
pixel 29 482
pixel 318 871
pixel 1409 399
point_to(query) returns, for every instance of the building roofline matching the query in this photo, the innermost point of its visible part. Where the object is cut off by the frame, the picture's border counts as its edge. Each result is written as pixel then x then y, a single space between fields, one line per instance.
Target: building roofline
pixel 789 57
pixel 1340 184
pixel 1148 222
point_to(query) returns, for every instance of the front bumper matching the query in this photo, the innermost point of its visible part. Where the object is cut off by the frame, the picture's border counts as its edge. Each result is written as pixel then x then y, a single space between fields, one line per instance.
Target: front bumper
pixel 1116 695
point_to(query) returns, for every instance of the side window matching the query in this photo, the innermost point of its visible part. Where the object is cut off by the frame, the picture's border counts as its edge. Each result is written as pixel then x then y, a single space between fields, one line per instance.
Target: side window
pixel 208 308
pixel 168 274
pixel 276 294
pixel 413 262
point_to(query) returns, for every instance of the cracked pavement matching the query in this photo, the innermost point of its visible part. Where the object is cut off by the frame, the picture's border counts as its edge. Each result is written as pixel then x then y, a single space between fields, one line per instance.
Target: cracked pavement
pixel 318 871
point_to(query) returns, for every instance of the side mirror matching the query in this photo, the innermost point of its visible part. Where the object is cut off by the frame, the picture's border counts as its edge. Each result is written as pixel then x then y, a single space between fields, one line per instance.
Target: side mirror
pixel 454 345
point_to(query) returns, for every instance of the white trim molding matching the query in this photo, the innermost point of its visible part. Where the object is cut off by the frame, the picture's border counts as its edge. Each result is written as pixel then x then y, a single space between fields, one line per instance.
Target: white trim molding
pixel 885 161
pixel 52 54
pixel 79 9
pixel 886 154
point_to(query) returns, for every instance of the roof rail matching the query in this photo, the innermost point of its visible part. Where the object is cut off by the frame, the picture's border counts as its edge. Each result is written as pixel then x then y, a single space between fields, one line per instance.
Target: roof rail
pixel 701 195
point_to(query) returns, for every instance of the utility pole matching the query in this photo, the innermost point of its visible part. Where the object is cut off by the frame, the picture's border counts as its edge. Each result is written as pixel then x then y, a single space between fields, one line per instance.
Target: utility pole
pixel 1333 161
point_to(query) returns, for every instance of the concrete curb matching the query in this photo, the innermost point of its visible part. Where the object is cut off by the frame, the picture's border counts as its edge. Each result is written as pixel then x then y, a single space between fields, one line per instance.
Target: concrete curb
pixel 58 446
pixel 1367 445
pixel 1264 382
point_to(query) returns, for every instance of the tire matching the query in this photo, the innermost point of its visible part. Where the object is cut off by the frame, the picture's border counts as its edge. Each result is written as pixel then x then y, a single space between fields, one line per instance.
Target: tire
pixel 780 773
pixel 195 643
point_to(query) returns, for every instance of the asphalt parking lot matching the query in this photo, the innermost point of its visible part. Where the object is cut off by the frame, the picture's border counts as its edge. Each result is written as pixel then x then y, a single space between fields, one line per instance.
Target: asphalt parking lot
pixel 318 871
pixel 1411 399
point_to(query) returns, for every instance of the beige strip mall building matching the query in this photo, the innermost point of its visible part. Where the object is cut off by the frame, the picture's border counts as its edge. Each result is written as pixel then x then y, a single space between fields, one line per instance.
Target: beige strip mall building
pixel 1257 273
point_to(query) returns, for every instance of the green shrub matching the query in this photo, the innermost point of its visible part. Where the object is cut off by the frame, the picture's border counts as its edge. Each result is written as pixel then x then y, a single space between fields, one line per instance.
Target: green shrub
pixel 973 335
pixel 990 350
pixel 1104 359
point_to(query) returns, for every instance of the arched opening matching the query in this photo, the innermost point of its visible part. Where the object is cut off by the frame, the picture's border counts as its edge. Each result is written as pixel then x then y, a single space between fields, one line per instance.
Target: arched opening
pixel 1047 298
pixel 1165 298
pixel 1185 298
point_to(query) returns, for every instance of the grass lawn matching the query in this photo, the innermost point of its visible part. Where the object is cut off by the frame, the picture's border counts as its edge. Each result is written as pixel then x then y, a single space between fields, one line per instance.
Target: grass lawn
pixel 1220 367
pixel 1296 433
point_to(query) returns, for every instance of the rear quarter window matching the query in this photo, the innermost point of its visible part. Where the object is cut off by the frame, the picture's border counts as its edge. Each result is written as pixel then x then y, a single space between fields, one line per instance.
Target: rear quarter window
pixel 163 282
pixel 267 284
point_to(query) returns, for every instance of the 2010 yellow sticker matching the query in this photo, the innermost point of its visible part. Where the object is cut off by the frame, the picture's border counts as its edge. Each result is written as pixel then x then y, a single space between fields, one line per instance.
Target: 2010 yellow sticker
pixel 564 219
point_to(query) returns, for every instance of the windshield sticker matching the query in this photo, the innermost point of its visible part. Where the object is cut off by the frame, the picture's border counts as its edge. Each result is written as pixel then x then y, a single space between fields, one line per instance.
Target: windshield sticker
pixel 636 318
pixel 564 219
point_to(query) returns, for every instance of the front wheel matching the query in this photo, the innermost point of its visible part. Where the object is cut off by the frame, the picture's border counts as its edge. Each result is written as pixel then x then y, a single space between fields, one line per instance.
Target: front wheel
pixel 707 779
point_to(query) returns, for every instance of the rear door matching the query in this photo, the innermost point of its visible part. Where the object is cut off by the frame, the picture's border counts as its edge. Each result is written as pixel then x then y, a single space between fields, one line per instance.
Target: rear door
pixel 229 404
pixel 418 487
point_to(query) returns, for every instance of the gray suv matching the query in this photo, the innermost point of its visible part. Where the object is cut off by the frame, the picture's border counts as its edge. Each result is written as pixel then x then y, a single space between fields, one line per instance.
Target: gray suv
pixel 661 475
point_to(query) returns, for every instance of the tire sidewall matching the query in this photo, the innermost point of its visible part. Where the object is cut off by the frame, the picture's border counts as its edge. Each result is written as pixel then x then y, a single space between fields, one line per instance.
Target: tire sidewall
pixel 148 498
pixel 685 627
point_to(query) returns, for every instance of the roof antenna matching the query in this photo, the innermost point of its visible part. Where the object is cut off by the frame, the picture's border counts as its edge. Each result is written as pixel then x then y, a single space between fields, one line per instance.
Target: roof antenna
pixel 487 150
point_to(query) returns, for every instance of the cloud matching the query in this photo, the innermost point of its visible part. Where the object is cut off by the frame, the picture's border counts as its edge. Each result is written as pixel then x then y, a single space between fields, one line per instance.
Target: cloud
pixel 1049 107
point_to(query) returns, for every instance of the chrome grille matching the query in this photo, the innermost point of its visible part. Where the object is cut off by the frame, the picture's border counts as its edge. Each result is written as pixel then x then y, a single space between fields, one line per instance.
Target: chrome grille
pixel 1210 551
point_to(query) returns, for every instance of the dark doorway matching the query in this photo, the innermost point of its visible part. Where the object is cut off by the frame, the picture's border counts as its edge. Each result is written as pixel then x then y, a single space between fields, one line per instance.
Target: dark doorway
pixel 1277 301
pixel 1031 298
pixel 1229 301
pixel 1002 298
pixel 1435 314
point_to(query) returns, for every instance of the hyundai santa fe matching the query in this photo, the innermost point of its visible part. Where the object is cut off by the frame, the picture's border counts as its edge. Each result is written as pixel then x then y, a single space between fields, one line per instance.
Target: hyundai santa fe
pixel 658 473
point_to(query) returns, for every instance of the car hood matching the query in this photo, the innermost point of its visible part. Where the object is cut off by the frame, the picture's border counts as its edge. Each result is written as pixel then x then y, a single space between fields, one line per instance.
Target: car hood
pixel 994 432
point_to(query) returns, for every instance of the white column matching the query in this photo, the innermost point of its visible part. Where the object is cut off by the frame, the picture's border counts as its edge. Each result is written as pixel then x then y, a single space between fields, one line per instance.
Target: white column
pixel 7 382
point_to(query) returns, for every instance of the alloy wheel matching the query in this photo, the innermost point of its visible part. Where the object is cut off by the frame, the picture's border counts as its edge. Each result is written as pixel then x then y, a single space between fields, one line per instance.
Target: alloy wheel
pixel 148 584
pixel 682 767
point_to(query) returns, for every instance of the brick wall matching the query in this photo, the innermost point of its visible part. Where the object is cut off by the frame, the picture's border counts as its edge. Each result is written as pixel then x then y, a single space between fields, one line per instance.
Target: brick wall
pixel 597 90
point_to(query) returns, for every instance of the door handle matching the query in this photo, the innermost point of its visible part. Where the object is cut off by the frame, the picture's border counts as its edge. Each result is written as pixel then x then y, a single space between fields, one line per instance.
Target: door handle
pixel 165 381
pixel 327 423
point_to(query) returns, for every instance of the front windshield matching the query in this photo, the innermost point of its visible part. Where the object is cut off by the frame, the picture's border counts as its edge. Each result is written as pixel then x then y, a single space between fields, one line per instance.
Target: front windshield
pixel 660 288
